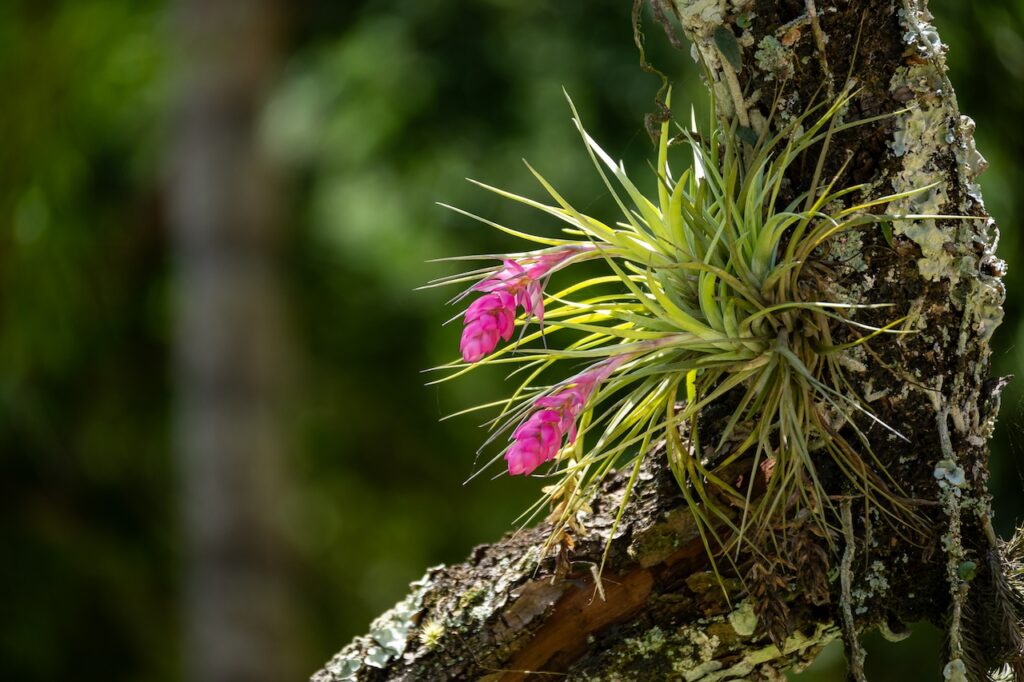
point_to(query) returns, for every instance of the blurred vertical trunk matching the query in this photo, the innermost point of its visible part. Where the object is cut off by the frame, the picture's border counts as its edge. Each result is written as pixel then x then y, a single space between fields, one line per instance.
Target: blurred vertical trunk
pixel 225 210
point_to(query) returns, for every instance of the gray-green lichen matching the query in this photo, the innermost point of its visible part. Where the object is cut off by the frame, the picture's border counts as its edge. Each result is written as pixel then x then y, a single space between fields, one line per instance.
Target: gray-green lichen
pixel 920 142
pixel 984 309
pixel 874 584
pixel 410 636
pixel 743 619
pixel 949 475
pixel 918 32
pixel 955 671
pixel 692 649
pixel 701 14
pixel 823 634
pixel 925 133
pixel 924 136
pixel 875 577
pixel 774 59
pixel 479 602
pixel 960 252
pixel 388 637
pixel 706 650
pixel 650 643
pixel 955 250
pixel 848 248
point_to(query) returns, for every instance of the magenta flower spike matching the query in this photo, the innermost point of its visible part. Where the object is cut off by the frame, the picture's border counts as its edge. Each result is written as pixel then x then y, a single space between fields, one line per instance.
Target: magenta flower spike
pixel 479 339
pixel 535 441
pixel 516 284
pixel 499 305
pixel 546 262
pixel 487 319
pixel 539 438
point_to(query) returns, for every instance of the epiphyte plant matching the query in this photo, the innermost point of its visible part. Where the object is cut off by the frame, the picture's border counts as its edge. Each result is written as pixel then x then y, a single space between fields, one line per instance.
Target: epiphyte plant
pixel 713 288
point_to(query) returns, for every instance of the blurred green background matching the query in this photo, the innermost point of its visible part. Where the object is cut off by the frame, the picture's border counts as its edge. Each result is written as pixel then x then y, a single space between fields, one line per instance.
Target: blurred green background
pixel 381 109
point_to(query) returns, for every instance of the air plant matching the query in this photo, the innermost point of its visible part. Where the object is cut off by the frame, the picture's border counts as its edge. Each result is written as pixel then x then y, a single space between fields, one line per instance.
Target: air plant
pixel 712 287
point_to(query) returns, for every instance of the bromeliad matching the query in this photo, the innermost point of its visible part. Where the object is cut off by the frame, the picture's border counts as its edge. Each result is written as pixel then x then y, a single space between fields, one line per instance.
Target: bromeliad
pixel 712 286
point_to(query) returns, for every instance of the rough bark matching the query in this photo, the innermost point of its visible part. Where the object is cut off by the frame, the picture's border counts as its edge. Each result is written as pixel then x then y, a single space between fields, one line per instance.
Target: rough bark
pixel 509 610
pixel 225 205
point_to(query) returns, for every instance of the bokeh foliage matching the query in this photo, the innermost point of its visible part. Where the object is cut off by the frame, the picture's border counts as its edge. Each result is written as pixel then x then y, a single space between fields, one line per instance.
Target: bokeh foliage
pixel 381 110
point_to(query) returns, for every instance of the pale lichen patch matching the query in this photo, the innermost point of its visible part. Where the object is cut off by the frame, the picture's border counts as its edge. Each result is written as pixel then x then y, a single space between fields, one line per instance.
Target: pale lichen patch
pixel 949 474
pixel 388 637
pixel 774 59
pixel 876 579
pixel 919 140
pixel 696 14
pixel 955 671
pixel 743 619
pixel 752 659
pixel 651 642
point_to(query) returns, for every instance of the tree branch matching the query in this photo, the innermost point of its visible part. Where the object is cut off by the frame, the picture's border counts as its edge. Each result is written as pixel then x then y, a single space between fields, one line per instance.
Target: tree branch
pixel 509 610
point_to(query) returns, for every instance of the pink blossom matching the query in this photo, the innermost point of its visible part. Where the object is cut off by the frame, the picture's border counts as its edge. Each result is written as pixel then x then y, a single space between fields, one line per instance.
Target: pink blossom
pixel 567 405
pixel 499 305
pixel 505 278
pixel 524 457
pixel 531 298
pixel 514 279
pixel 546 262
pixel 522 279
pixel 538 439
pixel 535 441
pixel 516 284
pixel 479 338
pixel 489 318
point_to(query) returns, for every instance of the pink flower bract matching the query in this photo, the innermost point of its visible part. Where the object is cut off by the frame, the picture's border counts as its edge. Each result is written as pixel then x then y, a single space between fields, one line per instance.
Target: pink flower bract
pixel 517 283
pixel 488 318
pixel 500 306
pixel 538 439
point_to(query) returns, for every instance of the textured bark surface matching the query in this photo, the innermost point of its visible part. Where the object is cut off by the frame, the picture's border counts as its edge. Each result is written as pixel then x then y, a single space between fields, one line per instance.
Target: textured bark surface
pixel 509 610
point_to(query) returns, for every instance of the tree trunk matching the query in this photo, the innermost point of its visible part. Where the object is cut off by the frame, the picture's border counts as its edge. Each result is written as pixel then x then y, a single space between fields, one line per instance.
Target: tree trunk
pixel 226 204
pixel 658 612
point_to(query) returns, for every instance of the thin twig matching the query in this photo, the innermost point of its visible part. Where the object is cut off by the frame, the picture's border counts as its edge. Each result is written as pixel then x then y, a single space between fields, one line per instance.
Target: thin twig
pixel 855 651
pixel 819 39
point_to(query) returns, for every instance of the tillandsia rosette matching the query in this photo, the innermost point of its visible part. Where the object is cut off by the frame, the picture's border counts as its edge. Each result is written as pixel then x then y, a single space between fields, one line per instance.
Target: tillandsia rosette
pixel 712 288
